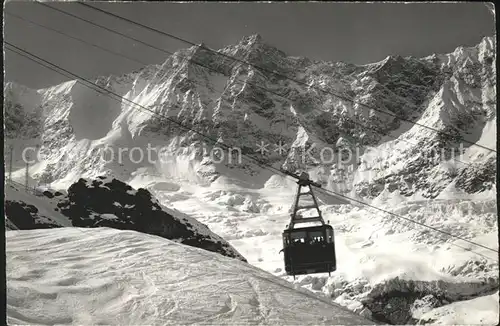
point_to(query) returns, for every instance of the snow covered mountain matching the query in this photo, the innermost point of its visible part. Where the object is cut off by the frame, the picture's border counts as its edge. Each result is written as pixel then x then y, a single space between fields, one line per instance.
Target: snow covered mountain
pixel 242 106
pixel 116 277
pixel 390 269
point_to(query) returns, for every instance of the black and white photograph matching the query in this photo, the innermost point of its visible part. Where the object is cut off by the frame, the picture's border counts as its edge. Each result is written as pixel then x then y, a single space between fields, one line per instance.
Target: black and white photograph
pixel 250 163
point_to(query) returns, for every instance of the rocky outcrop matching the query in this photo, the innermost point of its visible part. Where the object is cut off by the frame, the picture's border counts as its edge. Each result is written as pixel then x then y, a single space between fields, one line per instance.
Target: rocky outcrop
pixel 112 203
pixel 108 202
pixel 395 301
pixel 24 216
pixel 22 113
pixel 477 177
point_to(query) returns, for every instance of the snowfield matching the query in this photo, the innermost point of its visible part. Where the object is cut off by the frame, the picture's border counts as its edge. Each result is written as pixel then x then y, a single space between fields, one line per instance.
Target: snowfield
pixel 113 277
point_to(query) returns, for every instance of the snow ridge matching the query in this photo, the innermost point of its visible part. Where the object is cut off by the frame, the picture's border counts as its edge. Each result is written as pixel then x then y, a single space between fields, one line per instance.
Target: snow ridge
pixel 135 278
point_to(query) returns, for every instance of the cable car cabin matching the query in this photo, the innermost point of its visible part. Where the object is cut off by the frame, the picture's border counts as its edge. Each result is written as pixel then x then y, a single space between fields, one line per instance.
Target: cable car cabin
pixel 309 250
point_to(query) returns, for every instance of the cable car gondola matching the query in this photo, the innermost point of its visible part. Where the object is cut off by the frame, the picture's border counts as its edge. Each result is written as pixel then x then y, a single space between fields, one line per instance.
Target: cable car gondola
pixel 308 250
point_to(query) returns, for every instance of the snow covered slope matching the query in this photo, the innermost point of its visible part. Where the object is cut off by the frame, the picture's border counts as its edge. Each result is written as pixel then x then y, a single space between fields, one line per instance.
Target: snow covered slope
pixel 113 277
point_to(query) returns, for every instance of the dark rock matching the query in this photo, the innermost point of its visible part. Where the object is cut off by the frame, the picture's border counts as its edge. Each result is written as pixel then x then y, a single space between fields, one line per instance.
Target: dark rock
pixel 477 177
pixel 90 203
pixel 48 194
pixel 27 217
pixel 393 301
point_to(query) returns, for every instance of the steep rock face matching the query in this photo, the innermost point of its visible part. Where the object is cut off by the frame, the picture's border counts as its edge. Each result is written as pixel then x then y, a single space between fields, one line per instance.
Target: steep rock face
pixel 106 202
pixel 356 148
pixel 22 114
pixel 426 161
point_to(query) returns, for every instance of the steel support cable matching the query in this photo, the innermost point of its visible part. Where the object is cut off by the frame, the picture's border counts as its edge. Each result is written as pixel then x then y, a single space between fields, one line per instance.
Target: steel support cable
pixel 75 38
pixel 260 163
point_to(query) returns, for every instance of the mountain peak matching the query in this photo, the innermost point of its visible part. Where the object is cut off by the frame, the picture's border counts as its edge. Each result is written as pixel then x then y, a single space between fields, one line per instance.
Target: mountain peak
pixel 256 37
pixel 252 39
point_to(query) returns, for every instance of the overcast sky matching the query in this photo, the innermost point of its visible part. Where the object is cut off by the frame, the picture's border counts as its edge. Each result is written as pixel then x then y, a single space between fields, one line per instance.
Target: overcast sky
pixel 351 32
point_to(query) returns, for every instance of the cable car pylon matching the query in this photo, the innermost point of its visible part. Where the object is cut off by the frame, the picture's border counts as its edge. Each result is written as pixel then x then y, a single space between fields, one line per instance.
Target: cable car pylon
pixel 304 181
